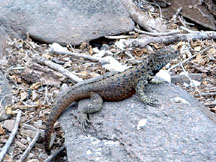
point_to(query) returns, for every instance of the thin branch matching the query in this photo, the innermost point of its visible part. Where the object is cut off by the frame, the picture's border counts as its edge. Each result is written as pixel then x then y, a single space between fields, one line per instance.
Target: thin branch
pixel 118 36
pixel 57 67
pixel 156 34
pixel 12 135
pixel 186 29
pixel 176 14
pixel 51 157
pixel 182 21
pixel 31 145
pixel 207 94
pixel 46 94
pixel 210 104
pixel 186 60
pixel 142 42
pixel 92 58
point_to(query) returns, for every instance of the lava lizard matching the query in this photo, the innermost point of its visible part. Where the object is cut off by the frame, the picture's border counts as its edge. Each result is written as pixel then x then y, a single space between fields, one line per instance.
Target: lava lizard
pixel 111 87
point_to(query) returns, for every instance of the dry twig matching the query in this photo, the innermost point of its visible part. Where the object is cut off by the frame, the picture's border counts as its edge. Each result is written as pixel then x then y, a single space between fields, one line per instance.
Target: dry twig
pixel 31 145
pixel 92 58
pixel 157 34
pixel 142 42
pixel 186 29
pixel 176 14
pixel 12 135
pixel 51 157
pixel 207 94
pixel 186 60
pixel 57 67
pixel 211 104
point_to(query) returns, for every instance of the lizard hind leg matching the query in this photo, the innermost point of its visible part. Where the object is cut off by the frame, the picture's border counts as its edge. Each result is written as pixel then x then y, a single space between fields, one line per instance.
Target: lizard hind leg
pixel 89 106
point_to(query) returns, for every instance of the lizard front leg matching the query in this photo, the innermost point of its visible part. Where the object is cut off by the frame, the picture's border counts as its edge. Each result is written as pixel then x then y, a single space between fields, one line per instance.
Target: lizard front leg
pixel 93 105
pixel 142 83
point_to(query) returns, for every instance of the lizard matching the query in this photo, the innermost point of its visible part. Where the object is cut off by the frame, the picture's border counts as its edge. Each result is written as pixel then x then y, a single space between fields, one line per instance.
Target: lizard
pixel 111 87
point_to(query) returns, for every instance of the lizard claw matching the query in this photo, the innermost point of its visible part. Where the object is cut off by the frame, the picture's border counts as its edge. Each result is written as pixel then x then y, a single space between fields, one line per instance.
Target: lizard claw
pixel 84 121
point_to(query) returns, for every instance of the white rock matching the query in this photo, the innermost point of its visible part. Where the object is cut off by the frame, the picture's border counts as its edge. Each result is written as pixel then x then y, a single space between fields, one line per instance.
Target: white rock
pixel 179 100
pixel 164 74
pixel 113 64
pixel 141 124
pixel 57 47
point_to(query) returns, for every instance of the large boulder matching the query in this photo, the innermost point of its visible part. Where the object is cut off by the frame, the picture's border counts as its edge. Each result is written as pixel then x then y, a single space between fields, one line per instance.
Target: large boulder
pixel 180 129
pixel 64 21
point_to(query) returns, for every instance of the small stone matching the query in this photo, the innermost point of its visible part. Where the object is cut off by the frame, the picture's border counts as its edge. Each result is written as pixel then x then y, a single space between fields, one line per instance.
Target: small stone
pixel 42 155
pixel 28 133
pixel 23 141
pixel 21 145
pixel 180 100
pixel 9 124
pixel 141 124
pixel 38 123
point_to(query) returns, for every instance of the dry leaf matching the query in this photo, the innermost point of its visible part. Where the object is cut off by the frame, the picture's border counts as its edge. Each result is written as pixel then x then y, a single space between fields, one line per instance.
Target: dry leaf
pixel 204 82
pixel 198 58
pixel 211 51
pixel 47 56
pixel 23 95
pixel 35 86
pixel 16 78
pixel 8 110
pixel 2 131
pixel 84 74
pixel 196 43
pixel 93 74
pixel 197 48
pixel 7 158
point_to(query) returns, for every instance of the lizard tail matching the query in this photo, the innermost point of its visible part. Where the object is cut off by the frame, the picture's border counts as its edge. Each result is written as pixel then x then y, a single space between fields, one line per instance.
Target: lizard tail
pixel 57 110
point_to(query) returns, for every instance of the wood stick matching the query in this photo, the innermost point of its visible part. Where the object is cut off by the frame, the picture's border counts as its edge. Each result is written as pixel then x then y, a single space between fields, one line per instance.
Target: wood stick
pixel 31 145
pixel 157 34
pixel 56 67
pixel 92 58
pixel 51 157
pixel 12 135
pixel 142 42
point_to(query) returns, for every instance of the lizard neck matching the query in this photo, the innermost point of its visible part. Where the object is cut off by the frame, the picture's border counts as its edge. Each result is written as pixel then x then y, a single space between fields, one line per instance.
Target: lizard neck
pixel 155 66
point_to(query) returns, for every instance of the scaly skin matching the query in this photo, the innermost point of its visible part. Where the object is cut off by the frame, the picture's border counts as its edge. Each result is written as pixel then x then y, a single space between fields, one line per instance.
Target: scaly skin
pixel 111 86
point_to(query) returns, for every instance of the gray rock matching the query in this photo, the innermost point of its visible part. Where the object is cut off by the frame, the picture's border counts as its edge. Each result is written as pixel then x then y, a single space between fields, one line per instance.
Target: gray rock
pixel 65 21
pixel 177 130
pixel 3 40
pixel 5 96
pixel 9 125
pixel 181 79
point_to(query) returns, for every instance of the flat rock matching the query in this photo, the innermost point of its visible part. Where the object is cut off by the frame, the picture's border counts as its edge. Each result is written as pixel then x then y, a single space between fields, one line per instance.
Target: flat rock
pixel 64 21
pixel 178 130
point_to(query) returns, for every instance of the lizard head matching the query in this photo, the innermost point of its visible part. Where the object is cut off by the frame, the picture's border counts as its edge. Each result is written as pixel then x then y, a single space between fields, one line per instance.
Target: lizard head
pixel 162 57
